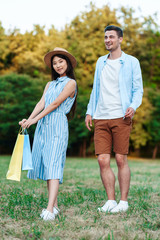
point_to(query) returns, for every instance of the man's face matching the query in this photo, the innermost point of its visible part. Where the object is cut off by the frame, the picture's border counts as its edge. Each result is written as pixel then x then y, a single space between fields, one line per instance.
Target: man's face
pixel 112 41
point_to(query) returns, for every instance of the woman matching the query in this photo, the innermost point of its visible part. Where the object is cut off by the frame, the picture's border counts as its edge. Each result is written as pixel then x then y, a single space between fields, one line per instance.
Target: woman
pixel 51 135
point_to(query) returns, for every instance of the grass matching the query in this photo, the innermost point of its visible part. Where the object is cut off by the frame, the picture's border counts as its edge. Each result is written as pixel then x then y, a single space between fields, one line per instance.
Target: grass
pixel 80 195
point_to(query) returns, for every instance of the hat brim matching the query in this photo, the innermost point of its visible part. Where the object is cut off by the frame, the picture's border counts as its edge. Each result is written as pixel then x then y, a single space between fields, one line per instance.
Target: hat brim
pixel 48 56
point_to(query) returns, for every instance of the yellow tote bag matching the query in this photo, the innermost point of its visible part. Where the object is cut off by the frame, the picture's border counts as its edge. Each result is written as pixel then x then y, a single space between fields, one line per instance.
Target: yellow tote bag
pixel 14 171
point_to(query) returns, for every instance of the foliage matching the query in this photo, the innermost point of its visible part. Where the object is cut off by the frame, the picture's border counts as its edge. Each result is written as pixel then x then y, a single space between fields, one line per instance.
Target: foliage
pixel 140 134
pixel 18 96
pixel 154 124
pixel 155 120
pixel 79 134
pixel 83 37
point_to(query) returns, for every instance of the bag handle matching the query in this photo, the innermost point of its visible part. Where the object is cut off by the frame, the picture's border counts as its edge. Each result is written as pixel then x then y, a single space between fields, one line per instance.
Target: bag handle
pixel 23 131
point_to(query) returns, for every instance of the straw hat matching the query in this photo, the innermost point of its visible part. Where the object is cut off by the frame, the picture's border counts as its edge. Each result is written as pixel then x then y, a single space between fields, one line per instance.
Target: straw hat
pixel 57 50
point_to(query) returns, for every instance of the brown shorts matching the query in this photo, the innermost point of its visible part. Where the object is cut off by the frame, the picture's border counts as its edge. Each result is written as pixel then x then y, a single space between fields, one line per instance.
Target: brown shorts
pixel 110 132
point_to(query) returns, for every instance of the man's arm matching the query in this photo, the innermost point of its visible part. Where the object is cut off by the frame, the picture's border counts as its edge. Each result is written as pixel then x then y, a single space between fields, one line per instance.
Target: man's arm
pixel 89 113
pixel 137 86
pixel 88 121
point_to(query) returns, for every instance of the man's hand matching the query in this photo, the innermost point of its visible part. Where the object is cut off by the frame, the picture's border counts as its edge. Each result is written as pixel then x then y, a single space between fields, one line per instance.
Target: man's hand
pixel 88 121
pixel 130 112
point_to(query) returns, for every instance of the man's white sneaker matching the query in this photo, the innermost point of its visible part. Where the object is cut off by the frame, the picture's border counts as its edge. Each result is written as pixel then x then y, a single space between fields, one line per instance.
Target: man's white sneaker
pixel 121 207
pixel 108 206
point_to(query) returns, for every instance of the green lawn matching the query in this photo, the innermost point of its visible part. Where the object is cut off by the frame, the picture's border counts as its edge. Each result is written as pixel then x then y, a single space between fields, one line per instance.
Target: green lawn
pixel 80 195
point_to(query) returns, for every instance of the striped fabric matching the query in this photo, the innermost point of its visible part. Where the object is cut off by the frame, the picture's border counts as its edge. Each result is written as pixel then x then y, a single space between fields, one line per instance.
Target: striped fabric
pixel 51 136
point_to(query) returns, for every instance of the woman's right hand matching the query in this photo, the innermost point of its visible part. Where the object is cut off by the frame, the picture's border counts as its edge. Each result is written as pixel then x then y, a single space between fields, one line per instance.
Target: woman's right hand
pixel 22 122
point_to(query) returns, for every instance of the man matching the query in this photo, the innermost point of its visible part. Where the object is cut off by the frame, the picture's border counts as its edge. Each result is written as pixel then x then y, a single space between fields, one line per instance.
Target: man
pixel 116 94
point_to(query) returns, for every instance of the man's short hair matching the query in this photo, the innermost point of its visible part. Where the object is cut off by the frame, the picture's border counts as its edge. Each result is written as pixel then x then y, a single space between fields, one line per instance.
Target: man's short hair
pixel 115 28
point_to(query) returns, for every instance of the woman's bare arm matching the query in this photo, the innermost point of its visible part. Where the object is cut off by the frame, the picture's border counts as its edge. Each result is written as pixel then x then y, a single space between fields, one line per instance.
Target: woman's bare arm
pixel 68 91
pixel 38 108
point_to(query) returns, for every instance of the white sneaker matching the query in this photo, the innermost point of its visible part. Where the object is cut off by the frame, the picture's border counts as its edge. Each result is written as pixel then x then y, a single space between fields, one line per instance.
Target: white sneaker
pixel 48 216
pixel 56 211
pixel 108 206
pixel 121 207
pixel 42 214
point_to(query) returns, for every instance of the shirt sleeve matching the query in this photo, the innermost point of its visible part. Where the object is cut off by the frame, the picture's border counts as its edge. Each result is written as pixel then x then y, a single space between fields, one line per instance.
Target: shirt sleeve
pixel 92 100
pixel 137 86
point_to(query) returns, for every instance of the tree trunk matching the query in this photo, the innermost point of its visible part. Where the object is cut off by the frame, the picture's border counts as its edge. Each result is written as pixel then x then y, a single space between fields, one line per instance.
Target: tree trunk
pixel 82 150
pixel 137 152
pixel 155 151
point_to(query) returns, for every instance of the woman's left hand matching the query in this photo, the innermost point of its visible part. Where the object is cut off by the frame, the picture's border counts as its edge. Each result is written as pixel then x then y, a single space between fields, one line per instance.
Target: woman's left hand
pixel 29 122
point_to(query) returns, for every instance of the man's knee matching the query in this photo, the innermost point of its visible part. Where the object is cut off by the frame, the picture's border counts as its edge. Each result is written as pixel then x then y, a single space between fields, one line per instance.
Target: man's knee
pixel 104 160
pixel 121 160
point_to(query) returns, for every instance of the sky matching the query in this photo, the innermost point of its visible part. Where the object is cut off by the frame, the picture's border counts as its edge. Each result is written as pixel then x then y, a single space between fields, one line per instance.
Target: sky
pixel 23 14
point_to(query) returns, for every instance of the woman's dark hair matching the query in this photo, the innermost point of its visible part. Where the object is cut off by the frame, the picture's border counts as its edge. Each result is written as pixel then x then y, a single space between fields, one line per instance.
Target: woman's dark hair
pixel 115 28
pixel 70 74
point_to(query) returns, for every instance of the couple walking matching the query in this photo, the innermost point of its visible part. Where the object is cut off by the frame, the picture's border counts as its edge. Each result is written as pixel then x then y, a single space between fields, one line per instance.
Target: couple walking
pixel 116 94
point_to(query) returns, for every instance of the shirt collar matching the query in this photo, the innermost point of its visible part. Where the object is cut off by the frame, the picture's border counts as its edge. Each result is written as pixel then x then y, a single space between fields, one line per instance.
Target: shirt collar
pixel 61 79
pixel 122 58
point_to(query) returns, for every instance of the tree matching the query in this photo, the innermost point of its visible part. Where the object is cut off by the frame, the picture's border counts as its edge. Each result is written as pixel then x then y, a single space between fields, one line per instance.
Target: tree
pixel 154 125
pixel 140 134
pixel 83 37
pixel 18 96
pixel 80 137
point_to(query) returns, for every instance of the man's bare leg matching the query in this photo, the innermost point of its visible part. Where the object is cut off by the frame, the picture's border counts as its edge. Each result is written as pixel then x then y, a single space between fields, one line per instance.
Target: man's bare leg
pixel 108 180
pixel 124 183
pixel 107 175
pixel 123 175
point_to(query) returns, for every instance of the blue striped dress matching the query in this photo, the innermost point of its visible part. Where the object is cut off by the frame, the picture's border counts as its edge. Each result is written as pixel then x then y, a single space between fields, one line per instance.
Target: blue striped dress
pixel 51 136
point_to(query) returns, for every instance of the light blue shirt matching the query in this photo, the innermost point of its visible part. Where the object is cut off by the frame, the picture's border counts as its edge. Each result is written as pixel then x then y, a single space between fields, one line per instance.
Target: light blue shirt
pixel 130 83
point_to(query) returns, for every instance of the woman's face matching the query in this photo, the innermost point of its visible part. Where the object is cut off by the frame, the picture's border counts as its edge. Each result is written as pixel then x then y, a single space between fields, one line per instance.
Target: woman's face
pixel 60 66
